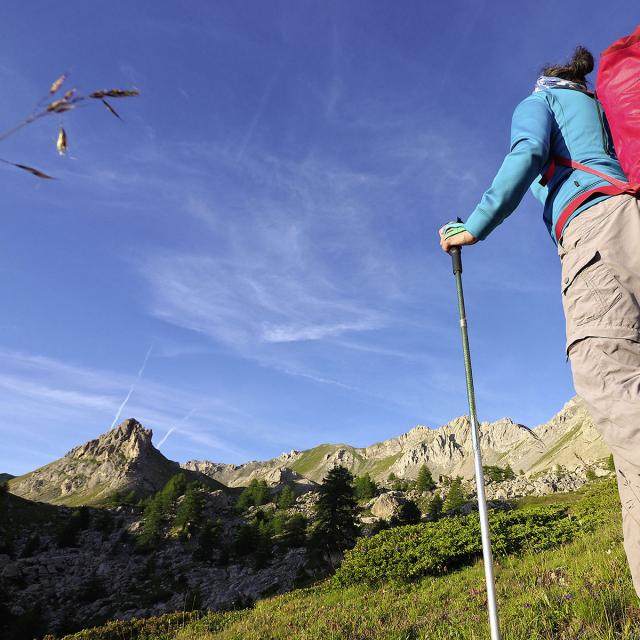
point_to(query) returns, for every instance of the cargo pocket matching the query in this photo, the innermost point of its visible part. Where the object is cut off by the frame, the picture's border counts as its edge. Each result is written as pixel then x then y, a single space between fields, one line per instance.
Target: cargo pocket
pixel 589 289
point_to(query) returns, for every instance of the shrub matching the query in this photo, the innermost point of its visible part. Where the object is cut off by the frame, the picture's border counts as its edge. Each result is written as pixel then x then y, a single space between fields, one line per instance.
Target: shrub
pixel 409 553
pixel 119 499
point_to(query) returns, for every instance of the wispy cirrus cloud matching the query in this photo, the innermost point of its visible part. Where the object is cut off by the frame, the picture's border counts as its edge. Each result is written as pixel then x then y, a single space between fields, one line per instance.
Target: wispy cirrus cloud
pixel 65 401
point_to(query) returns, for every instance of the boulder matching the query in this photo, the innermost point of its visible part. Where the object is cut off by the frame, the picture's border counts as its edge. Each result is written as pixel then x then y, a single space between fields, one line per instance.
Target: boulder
pixel 387 504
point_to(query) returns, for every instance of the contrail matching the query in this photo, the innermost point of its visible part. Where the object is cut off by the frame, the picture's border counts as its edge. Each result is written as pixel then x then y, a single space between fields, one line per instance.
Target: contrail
pixel 166 435
pixel 133 386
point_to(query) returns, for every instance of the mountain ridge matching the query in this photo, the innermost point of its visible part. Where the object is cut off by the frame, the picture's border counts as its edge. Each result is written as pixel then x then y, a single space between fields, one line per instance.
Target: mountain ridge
pixel 568 439
pixel 125 460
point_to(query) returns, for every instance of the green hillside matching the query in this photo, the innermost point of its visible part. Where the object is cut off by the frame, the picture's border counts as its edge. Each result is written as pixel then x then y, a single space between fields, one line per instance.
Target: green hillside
pixel 311 462
pixel 577 591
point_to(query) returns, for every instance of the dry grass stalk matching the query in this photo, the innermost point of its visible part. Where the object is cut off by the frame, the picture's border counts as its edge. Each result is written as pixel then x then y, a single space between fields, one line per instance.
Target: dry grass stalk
pixel 25 167
pixel 68 102
pixel 111 109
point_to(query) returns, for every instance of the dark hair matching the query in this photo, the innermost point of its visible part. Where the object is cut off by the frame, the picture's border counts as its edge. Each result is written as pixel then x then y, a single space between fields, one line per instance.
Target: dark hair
pixel 575 70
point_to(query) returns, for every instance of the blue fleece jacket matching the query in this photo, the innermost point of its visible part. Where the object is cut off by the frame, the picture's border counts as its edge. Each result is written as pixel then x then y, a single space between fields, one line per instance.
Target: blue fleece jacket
pixel 553 122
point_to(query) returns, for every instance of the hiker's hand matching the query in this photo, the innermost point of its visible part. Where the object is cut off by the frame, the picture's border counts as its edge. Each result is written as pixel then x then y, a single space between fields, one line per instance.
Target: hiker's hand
pixel 454 234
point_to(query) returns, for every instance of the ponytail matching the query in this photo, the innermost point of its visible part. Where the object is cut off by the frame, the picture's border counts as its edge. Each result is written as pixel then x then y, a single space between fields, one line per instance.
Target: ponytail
pixel 575 70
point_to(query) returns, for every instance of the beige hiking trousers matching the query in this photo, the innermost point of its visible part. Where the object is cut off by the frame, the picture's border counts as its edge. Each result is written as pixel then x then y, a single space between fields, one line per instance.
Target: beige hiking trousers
pixel 600 254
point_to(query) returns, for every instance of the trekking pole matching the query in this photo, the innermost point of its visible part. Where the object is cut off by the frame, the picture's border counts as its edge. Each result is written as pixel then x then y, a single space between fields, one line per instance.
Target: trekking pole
pixel 456 256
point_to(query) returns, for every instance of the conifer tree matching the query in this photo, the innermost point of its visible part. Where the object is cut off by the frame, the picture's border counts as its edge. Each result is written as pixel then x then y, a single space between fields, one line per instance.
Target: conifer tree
pixel 208 540
pixel 295 531
pixel 408 513
pixel 336 510
pixel 255 494
pixel 190 511
pixel 434 508
pixel 365 487
pixel 287 498
pixel 455 496
pixel 425 481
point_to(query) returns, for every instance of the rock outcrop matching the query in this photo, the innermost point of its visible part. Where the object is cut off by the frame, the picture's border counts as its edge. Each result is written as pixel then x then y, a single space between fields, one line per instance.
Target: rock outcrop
pixel 274 473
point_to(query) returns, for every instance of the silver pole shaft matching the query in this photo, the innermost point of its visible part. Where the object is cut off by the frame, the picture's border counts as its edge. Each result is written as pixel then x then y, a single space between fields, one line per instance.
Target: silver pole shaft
pixel 482 502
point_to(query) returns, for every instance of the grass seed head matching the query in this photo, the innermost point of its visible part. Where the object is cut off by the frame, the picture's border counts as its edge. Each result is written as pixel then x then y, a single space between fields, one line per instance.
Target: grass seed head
pixel 61 142
pixel 58 83
pixel 114 93
pixel 60 106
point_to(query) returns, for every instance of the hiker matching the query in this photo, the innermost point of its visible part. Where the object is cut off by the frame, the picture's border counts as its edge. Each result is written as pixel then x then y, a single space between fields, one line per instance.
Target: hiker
pixel 597 232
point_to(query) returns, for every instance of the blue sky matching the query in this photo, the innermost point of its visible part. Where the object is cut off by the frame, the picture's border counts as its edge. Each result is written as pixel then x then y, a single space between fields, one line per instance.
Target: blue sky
pixel 260 231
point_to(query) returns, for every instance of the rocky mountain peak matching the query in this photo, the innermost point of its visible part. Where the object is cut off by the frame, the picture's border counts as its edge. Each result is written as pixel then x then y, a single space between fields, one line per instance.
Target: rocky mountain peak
pixel 119 461
pixel 129 441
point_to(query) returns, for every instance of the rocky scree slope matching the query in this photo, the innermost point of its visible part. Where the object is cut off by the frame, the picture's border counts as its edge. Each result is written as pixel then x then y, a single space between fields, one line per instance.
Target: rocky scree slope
pixel 101 575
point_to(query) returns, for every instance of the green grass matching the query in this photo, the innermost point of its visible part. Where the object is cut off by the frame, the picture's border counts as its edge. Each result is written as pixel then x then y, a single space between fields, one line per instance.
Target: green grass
pixel 580 591
pixel 310 460
pixel 379 467
pixel 569 498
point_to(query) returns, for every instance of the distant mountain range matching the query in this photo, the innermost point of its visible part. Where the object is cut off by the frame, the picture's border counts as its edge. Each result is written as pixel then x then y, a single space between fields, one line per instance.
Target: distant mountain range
pixel 124 459
pixel 569 439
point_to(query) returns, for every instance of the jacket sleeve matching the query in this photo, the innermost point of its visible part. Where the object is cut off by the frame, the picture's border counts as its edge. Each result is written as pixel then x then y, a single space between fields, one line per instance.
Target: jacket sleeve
pixel 530 141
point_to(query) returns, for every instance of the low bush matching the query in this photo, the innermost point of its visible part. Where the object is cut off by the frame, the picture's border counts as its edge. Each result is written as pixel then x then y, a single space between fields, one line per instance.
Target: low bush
pixel 408 553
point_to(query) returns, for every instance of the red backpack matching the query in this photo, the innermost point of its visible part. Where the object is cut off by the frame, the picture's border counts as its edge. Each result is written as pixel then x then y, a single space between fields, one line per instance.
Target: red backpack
pixel 618 89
